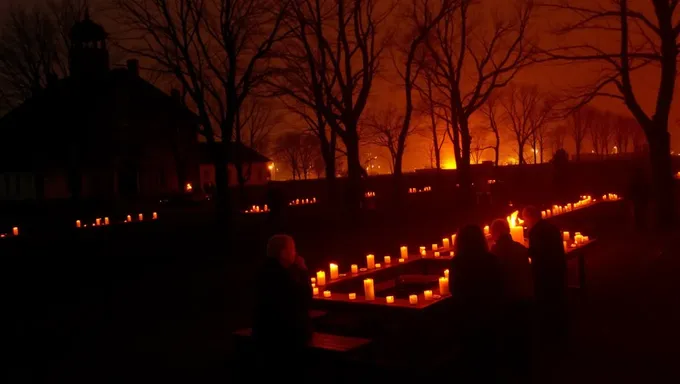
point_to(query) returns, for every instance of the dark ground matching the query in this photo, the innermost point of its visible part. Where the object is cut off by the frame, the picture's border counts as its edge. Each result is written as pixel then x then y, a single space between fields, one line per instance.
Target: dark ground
pixel 158 304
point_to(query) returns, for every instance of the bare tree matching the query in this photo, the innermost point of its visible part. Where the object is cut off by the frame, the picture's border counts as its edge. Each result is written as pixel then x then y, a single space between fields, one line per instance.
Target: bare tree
pixel 255 120
pixel 479 144
pixel 384 130
pixel 217 51
pixel 600 132
pixel 646 40
pixel 525 111
pixel 491 110
pixel 342 48
pixel 34 47
pixel 578 125
pixel 623 133
pixel 469 63
pixel 422 16
pixel 298 151
pixel 558 136
pixel 541 127
pixel 429 107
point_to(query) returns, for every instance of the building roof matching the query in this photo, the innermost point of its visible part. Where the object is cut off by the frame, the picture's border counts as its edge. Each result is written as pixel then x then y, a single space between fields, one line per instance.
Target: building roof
pixel 235 151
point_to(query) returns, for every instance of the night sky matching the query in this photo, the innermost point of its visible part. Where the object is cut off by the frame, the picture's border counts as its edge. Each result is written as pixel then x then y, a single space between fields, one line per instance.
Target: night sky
pixel 550 77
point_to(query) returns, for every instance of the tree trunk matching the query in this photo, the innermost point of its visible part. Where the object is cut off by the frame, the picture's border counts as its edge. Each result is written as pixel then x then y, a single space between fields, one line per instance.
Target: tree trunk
pixel 354 170
pixel 662 177
pixel 221 180
pixel 520 152
pixel 497 147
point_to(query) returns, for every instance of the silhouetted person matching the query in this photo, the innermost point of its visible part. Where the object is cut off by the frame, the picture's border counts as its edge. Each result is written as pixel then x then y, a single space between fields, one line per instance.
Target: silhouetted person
pixel 638 194
pixel 549 269
pixel 513 259
pixel 476 294
pixel 282 326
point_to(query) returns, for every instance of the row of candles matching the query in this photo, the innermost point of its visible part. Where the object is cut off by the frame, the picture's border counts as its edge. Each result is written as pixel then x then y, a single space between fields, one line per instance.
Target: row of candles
pixel 257 209
pixel 15 232
pixel 303 201
pixel 369 194
pixel 369 291
pixel 416 190
pixel 583 202
pixel 128 219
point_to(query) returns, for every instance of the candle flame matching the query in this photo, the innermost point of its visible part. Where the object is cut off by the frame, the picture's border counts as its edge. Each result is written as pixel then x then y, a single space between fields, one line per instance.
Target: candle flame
pixel 514 221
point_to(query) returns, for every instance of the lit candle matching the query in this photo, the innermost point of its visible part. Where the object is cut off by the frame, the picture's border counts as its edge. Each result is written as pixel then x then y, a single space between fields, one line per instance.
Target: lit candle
pixel 326 293
pixel 565 236
pixel 436 253
pixel 486 229
pixel 370 261
pixel 446 273
pixel 315 291
pixel 564 244
pixel 401 260
pixel 388 260
pixel 445 242
pixel 453 240
pixel 443 286
pixel 77 223
pixel 369 289
pixel 140 217
pixel 377 265
pixel 389 299
pixel 321 278
pixel 427 294
pixel 106 221
pixel 451 253
pixel 155 215
pixel 97 221
pixel 413 299
pixel 334 271
pixel 585 239
pixel 434 247
pixel 517 234
pixel 129 218
pixel 313 280
pixel 354 269
pixel 422 251
pixel 15 231
pixel 403 251
pixel 352 296
pixel 543 215
pixel 313 285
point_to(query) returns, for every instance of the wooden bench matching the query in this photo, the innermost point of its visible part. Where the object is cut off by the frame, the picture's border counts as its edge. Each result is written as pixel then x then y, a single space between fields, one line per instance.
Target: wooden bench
pixel 321 341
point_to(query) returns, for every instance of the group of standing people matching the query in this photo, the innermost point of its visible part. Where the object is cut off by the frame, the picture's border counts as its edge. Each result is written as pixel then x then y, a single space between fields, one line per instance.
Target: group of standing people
pixel 503 293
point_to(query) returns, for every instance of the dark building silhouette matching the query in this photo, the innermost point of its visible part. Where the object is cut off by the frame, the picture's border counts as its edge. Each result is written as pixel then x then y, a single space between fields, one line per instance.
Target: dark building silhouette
pixel 98 133
pixel 257 169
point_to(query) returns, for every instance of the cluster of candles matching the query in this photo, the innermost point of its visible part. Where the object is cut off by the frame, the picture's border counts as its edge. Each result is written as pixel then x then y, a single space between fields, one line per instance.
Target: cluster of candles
pixel 610 197
pixel 491 181
pixel 416 190
pixel 578 239
pixel 303 201
pixel 257 209
pixel 369 289
pixel 128 219
pixel 369 194
pixel 15 232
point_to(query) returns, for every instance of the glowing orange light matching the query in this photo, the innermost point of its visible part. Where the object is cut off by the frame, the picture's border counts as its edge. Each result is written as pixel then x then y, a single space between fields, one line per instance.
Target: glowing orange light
pixel 449 164
pixel 271 166
pixel 188 187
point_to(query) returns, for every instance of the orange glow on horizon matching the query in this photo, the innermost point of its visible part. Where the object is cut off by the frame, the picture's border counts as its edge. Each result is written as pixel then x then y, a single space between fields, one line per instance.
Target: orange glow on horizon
pixel 449 164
